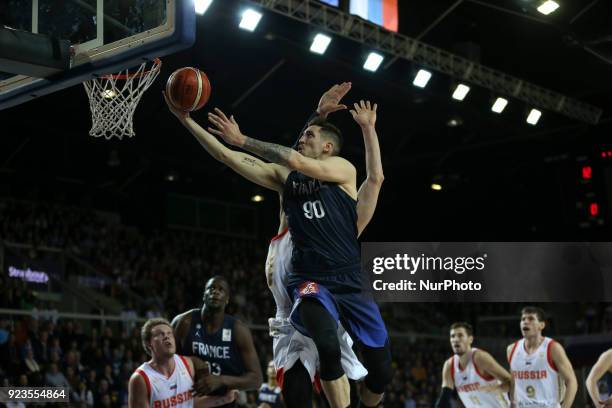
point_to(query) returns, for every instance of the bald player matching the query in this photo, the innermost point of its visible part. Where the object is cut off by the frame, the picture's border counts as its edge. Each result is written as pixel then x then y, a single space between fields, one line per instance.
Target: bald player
pixel 221 340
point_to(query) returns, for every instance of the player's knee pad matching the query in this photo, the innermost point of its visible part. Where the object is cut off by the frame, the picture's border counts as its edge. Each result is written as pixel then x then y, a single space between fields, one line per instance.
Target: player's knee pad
pixel 328 348
pixel 324 333
pixel 297 387
pixel 378 362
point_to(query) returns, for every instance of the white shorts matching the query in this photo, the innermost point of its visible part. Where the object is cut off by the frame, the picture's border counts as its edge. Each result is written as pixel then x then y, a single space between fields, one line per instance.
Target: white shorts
pixel 289 346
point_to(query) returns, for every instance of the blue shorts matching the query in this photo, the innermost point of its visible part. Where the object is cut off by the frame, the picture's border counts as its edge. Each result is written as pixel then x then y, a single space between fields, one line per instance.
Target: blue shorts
pixel 358 311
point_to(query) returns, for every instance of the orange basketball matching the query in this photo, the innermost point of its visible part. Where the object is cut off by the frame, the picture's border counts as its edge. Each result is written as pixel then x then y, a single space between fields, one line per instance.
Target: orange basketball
pixel 188 89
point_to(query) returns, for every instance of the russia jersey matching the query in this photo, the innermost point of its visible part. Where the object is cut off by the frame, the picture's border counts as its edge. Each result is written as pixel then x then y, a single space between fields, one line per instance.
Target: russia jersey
pixel 173 391
pixel 218 348
pixel 270 396
pixel 323 224
pixel 278 266
pixel 537 383
pixel 469 382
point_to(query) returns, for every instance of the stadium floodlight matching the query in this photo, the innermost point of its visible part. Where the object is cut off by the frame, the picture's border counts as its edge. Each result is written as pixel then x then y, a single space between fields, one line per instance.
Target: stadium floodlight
pixel 534 117
pixel 202 5
pixel 373 62
pixel 422 78
pixel 499 105
pixel 436 186
pixel 257 198
pixel 320 43
pixel 548 7
pixel 461 92
pixel 250 19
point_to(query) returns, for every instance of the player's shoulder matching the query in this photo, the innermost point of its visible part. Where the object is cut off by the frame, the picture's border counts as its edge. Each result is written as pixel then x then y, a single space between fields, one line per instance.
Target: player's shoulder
pixel 137 378
pixel 338 159
pixel 480 356
pixel 182 318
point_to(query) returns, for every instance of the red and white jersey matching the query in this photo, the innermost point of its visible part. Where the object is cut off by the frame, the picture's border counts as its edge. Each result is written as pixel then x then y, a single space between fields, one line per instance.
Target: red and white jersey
pixel 469 382
pixel 173 391
pixel 537 382
pixel 278 266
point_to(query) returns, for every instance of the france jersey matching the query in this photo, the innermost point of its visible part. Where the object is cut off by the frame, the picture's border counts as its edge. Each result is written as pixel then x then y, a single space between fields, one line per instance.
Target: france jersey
pixel 218 348
pixel 323 225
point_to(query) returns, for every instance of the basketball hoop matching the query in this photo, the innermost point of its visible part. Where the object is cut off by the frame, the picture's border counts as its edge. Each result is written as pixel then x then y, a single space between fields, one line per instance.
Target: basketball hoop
pixel 113 99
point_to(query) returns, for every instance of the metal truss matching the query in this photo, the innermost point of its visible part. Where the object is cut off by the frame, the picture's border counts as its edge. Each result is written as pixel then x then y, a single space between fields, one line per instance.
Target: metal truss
pixel 359 30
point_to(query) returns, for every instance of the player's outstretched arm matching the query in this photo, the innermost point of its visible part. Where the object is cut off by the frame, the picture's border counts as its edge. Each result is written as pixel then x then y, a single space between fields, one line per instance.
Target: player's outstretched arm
pixel 602 366
pixel 334 169
pixel 267 175
pixel 367 197
pixel 137 392
pixel 447 386
pixel 566 371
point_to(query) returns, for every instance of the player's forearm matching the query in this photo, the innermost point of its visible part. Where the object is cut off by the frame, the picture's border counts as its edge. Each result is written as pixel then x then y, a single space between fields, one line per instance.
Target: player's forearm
pixel 570 393
pixel 208 141
pixel 591 386
pixel 272 152
pixel 247 381
pixel 374 167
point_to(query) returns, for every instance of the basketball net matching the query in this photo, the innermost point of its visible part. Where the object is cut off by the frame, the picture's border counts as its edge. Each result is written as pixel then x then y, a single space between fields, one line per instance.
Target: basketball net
pixel 113 99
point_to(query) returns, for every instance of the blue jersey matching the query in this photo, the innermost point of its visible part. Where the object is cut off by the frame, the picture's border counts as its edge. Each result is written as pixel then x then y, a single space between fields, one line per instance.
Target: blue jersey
pixel 270 396
pixel 218 348
pixel 323 223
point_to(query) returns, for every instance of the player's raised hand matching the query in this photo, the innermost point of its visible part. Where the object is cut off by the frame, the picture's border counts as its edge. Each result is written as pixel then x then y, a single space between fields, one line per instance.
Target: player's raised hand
pixel 180 114
pixel 330 100
pixel 364 113
pixel 226 128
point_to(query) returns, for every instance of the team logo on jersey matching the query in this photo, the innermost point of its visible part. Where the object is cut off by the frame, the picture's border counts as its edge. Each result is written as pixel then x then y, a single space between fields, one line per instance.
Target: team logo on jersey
pixel 227 335
pixel 173 386
pixel 198 327
pixel 309 288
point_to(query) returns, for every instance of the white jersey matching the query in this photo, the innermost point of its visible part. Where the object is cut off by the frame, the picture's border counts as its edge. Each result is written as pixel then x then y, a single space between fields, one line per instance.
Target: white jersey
pixel 173 391
pixel 537 382
pixel 289 345
pixel 469 382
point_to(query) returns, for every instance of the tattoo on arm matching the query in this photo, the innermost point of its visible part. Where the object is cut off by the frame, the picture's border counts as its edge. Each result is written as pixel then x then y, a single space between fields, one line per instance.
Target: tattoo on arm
pixel 250 161
pixel 269 151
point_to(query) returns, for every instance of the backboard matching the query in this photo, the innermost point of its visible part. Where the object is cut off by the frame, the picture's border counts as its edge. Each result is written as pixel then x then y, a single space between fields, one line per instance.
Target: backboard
pixel 106 36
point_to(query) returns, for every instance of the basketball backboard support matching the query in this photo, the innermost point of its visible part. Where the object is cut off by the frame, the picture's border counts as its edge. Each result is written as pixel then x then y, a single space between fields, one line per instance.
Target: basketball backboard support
pixel 106 36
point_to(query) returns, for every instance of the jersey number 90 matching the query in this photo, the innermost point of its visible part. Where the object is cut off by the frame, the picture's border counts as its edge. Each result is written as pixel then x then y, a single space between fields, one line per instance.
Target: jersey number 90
pixel 313 209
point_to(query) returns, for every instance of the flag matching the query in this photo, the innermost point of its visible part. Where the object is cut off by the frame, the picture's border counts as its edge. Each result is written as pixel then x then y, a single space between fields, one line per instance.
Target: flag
pixel 381 12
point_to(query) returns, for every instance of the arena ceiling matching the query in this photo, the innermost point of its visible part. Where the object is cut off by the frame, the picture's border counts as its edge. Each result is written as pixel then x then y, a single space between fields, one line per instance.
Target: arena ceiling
pixel 271 83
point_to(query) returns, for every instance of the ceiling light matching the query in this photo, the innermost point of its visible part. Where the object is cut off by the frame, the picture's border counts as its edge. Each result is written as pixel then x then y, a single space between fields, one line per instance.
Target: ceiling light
pixel 461 92
pixel 548 7
pixel 250 19
pixel 202 5
pixel 320 43
pixel 534 117
pixel 373 62
pixel 499 105
pixel 422 78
